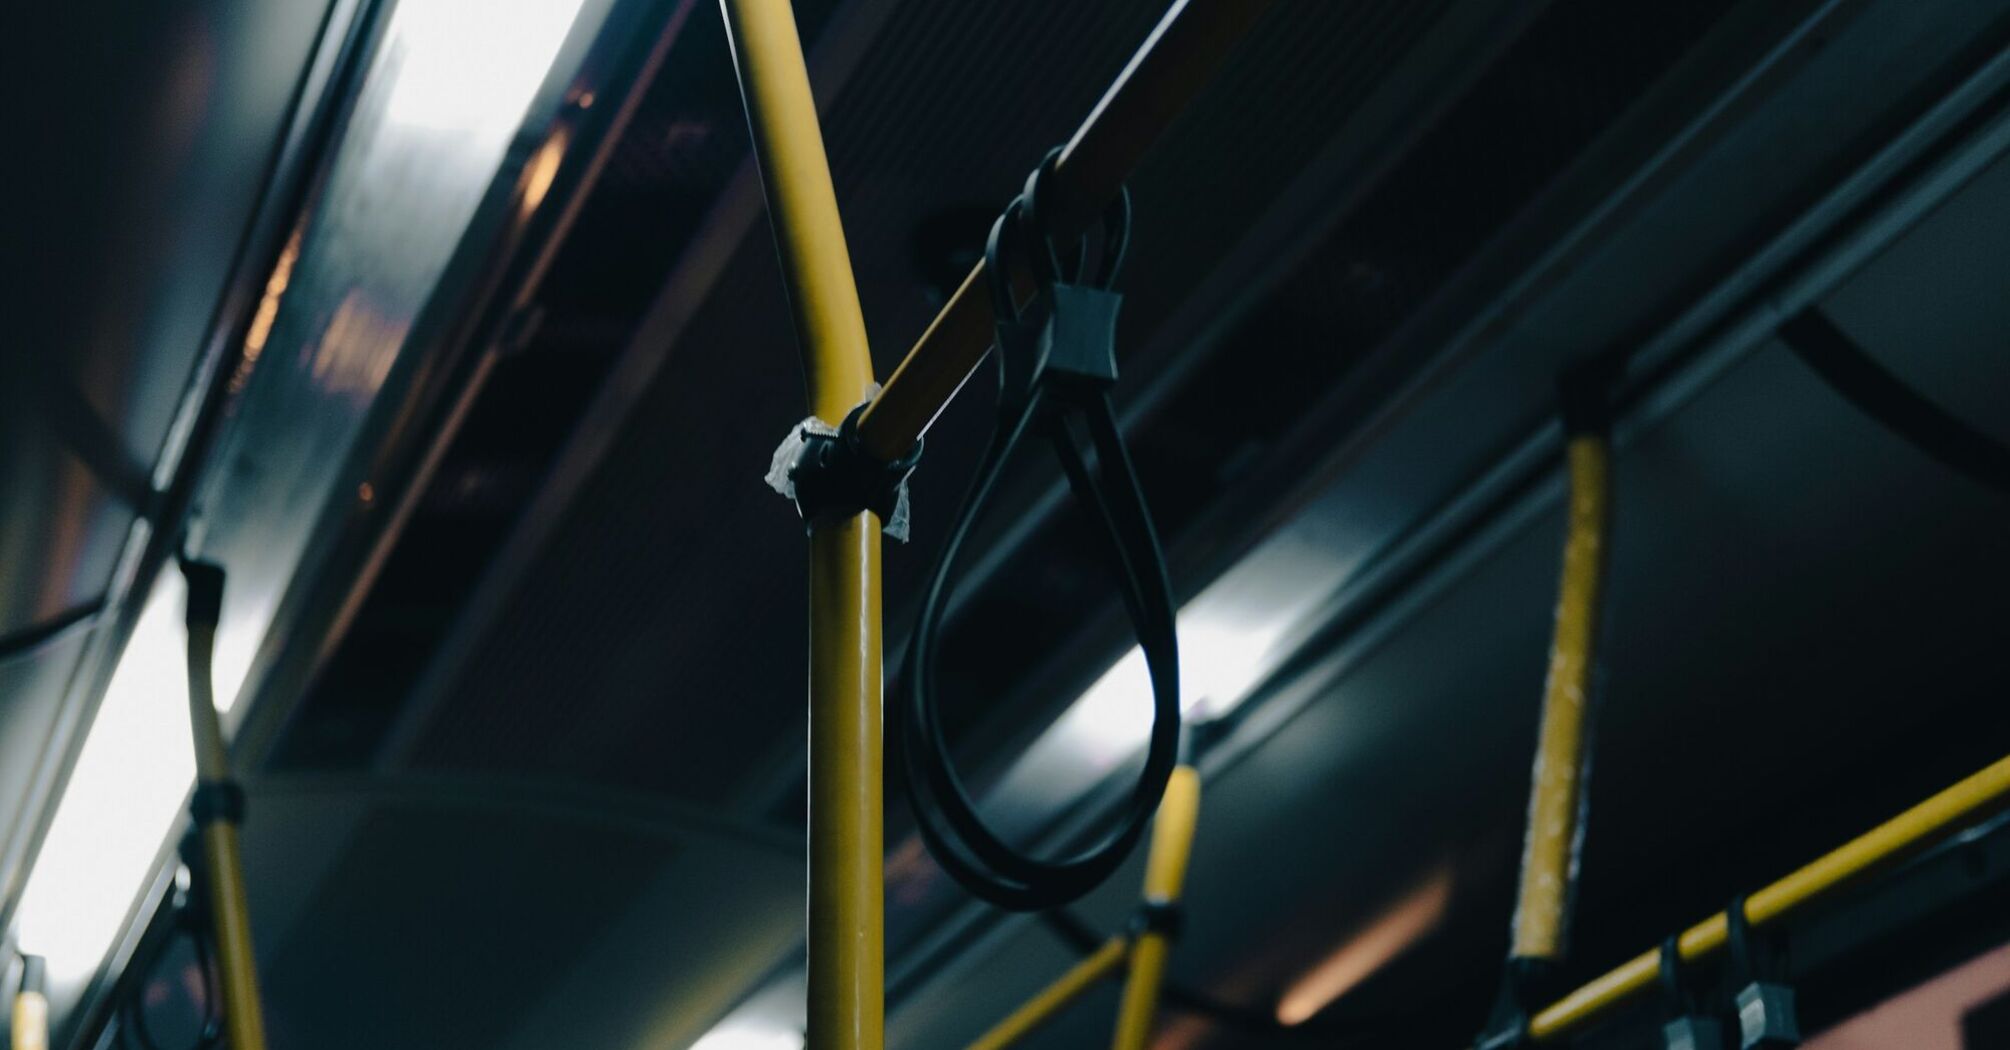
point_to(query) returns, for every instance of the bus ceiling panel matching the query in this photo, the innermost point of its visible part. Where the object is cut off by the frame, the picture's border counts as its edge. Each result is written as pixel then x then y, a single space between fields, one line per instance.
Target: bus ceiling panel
pixel 1843 84
pixel 147 143
pixel 364 292
pixel 1615 273
pixel 154 134
pixel 432 173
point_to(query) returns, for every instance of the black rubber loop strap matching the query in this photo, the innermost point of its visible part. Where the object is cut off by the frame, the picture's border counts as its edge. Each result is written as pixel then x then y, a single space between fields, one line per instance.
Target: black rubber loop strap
pixel 1673 993
pixel 36 635
pixel 1038 208
pixel 133 1023
pixel 955 833
pixel 1749 961
pixel 1026 217
pixel 1851 372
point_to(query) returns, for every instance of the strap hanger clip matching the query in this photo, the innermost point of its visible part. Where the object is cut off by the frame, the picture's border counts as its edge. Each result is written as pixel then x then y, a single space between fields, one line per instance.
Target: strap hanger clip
pixel 1767 1019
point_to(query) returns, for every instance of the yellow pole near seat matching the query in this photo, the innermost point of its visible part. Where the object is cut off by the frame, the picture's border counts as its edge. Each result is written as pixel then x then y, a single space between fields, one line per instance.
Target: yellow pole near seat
pixel 1556 791
pixel 846 897
pixel 1165 877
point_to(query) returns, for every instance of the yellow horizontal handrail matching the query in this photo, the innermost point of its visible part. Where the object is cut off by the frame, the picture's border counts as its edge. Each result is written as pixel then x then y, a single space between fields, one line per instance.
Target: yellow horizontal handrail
pixel 1054 998
pixel 1165 878
pixel 1915 829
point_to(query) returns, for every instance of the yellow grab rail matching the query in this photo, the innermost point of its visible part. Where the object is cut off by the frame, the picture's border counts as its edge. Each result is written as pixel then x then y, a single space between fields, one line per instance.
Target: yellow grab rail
pixel 1556 789
pixel 29 1027
pixel 1057 996
pixel 230 910
pixel 846 896
pixel 1937 818
pixel 1165 877
pixel 1147 952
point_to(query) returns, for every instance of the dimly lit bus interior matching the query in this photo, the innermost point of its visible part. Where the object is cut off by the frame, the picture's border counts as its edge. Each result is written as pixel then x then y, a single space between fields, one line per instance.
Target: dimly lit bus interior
pixel 899 525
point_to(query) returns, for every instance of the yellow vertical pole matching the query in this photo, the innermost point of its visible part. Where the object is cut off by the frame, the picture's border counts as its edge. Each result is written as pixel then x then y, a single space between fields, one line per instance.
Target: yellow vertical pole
pixel 230 911
pixel 846 898
pixel 30 1020
pixel 1556 795
pixel 1165 877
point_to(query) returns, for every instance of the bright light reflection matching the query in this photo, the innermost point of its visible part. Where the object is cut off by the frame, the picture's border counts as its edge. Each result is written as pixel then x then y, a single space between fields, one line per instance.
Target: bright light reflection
pixel 1219 663
pixel 746 1035
pixel 1385 936
pixel 123 796
pixel 470 67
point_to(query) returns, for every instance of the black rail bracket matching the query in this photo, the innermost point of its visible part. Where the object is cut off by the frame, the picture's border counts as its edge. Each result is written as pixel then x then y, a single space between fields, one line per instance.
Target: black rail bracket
pixel 829 475
pixel 1165 918
pixel 1525 983
pixel 217 800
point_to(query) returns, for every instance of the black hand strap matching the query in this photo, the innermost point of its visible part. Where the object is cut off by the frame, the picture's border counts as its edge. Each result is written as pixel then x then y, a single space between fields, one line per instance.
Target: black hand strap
pixel 1876 392
pixel 1056 365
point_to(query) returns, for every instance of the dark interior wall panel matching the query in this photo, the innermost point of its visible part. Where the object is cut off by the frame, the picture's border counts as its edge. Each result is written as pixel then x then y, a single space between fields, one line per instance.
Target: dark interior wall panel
pixel 32 685
pixel 643 649
pixel 154 133
pixel 144 144
pixel 470 902
pixel 61 528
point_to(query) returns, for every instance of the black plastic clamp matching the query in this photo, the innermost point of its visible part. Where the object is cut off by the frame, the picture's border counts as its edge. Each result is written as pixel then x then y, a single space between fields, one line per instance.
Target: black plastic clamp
pixel 1688 1027
pixel 1165 918
pixel 1064 342
pixel 205 592
pixel 1524 982
pixel 217 800
pixel 1584 396
pixel 1761 1002
pixel 835 477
